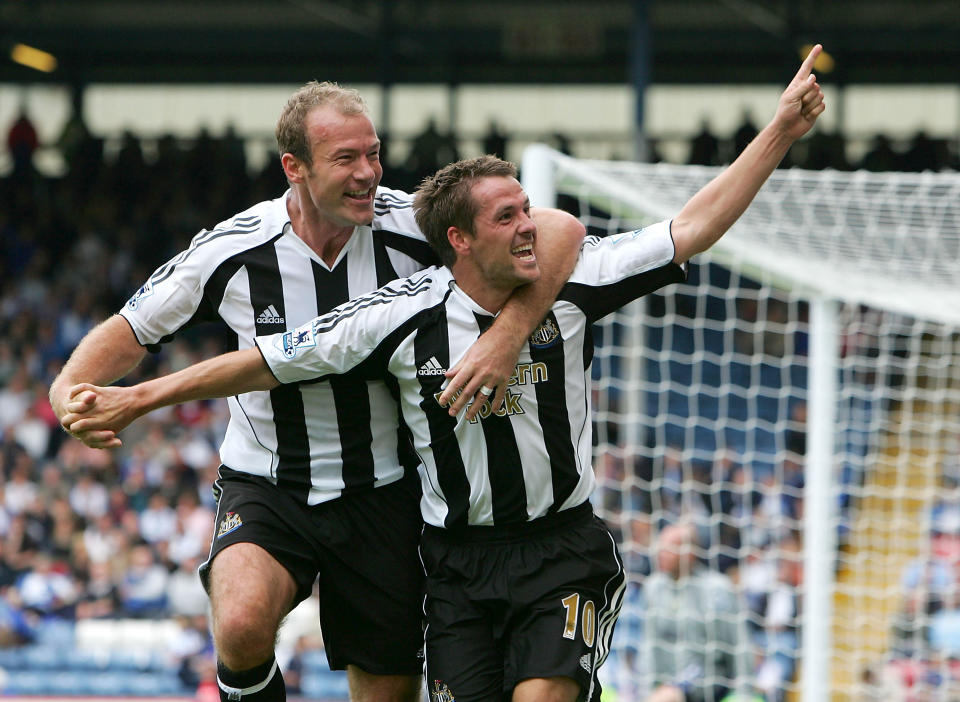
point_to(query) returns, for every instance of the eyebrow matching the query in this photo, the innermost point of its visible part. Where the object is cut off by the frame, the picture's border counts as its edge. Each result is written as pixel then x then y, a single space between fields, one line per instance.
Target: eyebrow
pixel 510 207
pixel 345 150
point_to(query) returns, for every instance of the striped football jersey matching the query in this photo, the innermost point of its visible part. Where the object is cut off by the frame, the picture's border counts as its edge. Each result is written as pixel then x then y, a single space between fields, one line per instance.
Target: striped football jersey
pixel 316 440
pixel 532 457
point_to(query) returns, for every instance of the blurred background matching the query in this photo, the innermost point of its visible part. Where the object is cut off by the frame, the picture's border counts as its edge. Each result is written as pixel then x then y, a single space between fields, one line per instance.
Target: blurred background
pixel 129 126
pixel 591 78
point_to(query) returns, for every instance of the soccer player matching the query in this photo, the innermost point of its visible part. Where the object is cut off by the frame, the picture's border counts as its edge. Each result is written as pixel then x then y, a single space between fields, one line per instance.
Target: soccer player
pixel 523 582
pixel 312 480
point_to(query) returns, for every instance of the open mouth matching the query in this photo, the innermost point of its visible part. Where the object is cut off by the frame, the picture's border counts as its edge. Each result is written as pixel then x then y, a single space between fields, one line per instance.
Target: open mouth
pixel 524 251
pixel 360 194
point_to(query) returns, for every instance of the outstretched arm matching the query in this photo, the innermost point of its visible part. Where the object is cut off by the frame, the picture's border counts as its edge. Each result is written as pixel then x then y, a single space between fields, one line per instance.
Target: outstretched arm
pixel 714 209
pixel 105 411
pixel 491 360
pixel 108 352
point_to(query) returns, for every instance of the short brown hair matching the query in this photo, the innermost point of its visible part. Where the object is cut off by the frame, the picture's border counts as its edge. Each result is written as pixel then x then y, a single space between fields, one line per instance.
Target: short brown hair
pixel 291 132
pixel 445 200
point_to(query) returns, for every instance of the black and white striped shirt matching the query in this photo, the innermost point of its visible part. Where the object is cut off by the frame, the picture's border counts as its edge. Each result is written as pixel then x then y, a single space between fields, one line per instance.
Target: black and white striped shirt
pixel 316 440
pixel 531 459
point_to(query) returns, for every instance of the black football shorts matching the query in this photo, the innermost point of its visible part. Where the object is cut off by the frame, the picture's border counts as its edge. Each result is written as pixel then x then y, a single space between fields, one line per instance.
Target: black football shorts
pixel 363 547
pixel 506 604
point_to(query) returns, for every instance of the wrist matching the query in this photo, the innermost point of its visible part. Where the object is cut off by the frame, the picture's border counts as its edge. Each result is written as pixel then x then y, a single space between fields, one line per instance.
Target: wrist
pixel 510 331
pixel 780 133
pixel 58 396
pixel 143 398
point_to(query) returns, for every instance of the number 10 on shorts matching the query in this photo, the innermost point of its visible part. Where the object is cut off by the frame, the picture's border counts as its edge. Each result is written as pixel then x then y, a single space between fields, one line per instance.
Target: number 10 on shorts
pixel 571 603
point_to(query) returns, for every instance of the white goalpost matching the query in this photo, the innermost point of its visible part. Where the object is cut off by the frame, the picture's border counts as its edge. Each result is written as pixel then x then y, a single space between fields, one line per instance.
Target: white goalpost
pixel 798 399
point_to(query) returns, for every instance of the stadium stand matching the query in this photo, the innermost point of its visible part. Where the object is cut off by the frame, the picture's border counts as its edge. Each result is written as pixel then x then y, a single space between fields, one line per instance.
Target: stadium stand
pixel 91 543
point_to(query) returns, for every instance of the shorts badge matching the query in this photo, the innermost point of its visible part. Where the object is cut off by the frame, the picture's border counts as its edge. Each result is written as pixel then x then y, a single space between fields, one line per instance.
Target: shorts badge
pixel 231 521
pixel 440 692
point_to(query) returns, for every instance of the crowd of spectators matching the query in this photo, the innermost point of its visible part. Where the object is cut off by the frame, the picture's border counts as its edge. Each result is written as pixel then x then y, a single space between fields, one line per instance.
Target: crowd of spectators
pixel 826 149
pixel 728 618
pixel 924 653
pixel 741 588
pixel 88 534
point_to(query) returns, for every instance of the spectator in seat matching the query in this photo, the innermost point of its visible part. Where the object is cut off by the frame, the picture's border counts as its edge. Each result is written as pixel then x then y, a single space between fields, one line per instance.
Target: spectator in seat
pixel 143 589
pixel 695 647
pixel 47 589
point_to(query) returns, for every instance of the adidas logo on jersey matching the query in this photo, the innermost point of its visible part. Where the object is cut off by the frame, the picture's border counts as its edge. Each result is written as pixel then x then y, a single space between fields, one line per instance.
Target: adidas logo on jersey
pixel 270 316
pixel 431 367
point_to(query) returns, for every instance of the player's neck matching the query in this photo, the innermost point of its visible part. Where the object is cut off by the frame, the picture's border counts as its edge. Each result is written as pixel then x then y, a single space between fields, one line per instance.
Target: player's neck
pixel 325 237
pixel 489 296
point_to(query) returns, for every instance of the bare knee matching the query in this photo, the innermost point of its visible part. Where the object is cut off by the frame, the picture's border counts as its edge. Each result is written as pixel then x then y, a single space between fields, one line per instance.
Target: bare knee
pixel 250 593
pixel 367 687
pixel 243 639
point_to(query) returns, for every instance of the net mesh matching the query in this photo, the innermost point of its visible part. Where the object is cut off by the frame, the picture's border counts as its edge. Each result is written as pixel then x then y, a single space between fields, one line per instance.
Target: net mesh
pixel 700 409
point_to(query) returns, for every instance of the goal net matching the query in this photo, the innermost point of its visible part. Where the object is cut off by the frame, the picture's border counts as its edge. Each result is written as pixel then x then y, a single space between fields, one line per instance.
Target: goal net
pixel 797 400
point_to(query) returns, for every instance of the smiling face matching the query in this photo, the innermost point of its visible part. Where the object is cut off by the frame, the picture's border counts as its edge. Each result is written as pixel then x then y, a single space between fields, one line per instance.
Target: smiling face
pixel 342 179
pixel 501 244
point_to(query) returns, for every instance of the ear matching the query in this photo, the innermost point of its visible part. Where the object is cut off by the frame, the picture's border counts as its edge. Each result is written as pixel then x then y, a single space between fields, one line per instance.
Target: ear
pixel 293 168
pixel 459 241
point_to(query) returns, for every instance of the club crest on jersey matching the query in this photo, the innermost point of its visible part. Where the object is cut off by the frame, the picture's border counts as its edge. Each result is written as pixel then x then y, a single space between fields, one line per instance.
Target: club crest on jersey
pixel 231 522
pixel 291 342
pixel 545 335
pixel 440 692
pixel 145 291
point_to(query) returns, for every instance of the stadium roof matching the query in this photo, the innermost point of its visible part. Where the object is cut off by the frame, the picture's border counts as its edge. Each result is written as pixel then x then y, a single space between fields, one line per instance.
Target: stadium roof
pixel 452 41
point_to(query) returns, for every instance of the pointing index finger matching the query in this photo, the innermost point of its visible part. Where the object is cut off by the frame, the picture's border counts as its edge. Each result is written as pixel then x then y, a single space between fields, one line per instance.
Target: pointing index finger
pixel 806 68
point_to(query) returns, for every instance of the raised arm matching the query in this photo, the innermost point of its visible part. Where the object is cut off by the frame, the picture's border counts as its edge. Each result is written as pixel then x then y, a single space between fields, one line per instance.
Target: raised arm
pixel 105 411
pixel 714 209
pixel 108 352
pixel 492 358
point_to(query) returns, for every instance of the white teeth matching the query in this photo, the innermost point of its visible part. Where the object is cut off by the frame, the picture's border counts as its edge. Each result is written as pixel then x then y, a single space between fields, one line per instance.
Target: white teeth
pixel 525 248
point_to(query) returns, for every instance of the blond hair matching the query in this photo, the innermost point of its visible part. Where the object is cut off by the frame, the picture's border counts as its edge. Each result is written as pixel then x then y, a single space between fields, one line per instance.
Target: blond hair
pixel 291 131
